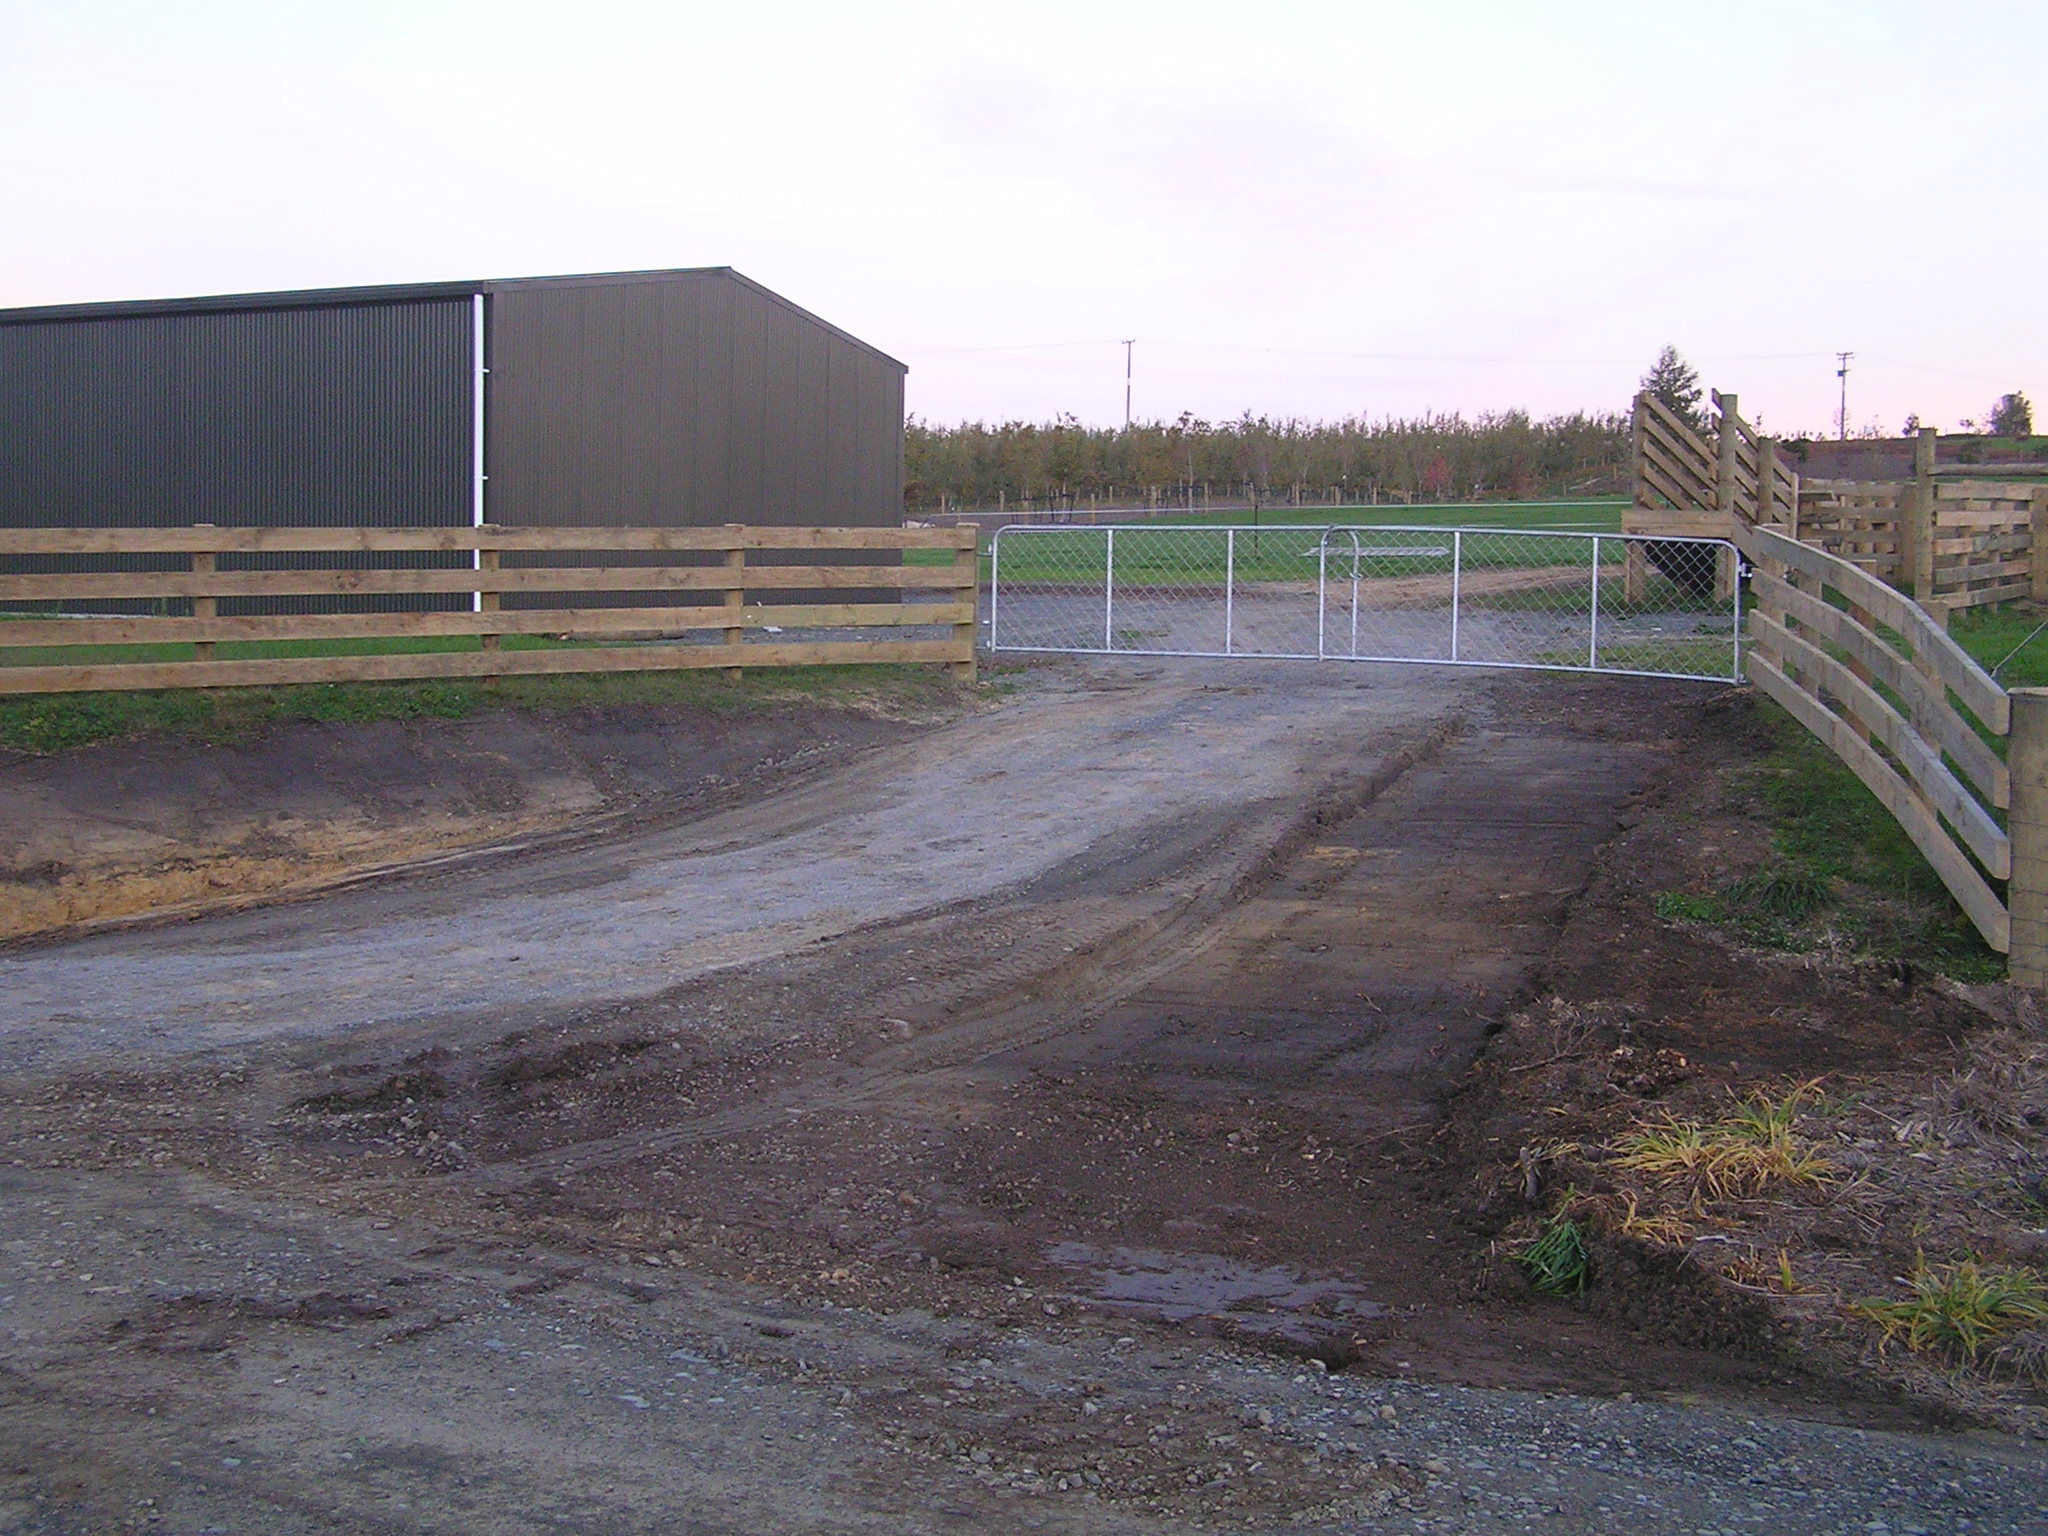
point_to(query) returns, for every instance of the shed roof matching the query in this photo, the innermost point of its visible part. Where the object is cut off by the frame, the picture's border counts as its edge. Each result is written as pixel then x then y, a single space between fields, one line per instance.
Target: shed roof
pixel 395 293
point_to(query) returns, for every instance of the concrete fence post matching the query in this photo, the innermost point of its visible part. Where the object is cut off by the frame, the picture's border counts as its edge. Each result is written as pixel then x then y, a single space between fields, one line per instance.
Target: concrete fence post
pixel 2027 890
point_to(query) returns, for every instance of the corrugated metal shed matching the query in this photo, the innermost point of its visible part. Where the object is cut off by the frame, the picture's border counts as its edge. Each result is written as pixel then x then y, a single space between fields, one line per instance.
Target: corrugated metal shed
pixel 690 397
pixel 687 397
pixel 315 415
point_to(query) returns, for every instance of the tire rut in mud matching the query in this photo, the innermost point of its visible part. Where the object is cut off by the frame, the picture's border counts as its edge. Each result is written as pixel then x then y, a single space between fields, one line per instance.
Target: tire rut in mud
pixel 1213 1083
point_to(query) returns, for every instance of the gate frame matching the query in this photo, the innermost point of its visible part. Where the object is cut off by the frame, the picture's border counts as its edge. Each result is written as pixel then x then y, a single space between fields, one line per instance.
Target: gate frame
pixel 1324 532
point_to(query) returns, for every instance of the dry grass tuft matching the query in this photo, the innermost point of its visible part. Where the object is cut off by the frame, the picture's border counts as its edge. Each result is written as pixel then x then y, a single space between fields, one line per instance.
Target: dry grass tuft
pixel 1661 1230
pixel 1761 1274
pixel 1963 1310
pixel 1735 1158
pixel 2001 1090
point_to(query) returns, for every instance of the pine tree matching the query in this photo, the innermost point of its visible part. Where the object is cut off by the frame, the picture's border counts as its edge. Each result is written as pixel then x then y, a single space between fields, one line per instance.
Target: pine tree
pixel 1672 380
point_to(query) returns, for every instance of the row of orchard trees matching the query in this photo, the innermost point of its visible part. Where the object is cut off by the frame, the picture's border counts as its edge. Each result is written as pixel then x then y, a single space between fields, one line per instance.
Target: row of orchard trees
pixel 1261 461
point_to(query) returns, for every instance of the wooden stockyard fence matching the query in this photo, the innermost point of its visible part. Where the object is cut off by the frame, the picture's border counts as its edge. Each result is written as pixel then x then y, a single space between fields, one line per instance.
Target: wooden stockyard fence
pixel 1958 760
pixel 1953 536
pixel 570 600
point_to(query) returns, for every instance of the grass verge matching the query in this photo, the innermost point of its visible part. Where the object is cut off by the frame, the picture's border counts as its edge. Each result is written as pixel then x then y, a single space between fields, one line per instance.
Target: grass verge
pixel 1843 876
pixel 45 723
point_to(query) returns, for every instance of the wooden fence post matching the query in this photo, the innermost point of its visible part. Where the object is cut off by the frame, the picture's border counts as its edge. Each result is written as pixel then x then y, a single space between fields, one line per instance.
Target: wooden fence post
pixel 1767 480
pixel 1638 424
pixel 204 563
pixel 2027 890
pixel 967 568
pixel 735 597
pixel 1727 490
pixel 1921 514
pixel 488 602
pixel 2037 546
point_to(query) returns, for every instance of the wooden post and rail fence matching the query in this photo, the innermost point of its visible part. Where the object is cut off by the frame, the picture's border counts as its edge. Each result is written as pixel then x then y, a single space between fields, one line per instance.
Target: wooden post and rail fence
pixel 566 599
pixel 1853 585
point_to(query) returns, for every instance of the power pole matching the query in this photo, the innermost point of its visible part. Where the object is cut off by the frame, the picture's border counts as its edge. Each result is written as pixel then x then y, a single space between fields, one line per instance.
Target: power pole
pixel 1129 343
pixel 1842 373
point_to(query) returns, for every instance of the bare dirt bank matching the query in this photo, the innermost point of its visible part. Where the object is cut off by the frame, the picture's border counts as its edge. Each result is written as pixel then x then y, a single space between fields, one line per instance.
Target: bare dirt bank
pixel 162 825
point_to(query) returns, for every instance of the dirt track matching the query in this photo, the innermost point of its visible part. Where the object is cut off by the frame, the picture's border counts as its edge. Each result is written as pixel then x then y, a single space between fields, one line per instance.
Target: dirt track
pixel 1025 1125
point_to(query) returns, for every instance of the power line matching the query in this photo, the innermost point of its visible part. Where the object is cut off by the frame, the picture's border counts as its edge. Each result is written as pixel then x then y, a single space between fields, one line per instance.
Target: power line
pixel 1842 373
pixel 1954 373
pixel 1020 346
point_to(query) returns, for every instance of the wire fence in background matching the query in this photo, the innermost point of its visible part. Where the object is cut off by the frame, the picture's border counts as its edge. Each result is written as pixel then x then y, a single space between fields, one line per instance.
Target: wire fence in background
pixel 1456 596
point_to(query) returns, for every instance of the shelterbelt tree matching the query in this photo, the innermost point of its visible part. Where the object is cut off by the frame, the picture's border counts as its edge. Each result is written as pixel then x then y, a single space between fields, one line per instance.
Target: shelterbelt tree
pixel 1508 454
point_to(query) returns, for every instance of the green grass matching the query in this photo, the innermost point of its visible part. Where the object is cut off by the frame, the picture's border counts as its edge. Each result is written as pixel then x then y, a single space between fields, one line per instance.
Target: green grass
pixel 1192 548
pixel 46 723
pixel 1556 1260
pixel 1990 635
pixel 261 650
pixel 1841 861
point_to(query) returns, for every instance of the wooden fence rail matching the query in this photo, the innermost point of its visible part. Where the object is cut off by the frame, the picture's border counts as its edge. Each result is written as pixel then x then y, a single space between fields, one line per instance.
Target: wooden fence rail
pixel 1879 681
pixel 1834 638
pixel 602 600
pixel 1953 541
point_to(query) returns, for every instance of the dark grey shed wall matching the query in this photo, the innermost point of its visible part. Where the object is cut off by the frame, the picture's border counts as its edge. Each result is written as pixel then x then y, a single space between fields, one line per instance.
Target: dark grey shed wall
pixel 324 414
pixel 685 398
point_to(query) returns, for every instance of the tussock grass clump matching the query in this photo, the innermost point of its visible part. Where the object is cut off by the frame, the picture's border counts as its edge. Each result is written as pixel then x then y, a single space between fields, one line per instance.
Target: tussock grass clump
pixel 1737 1157
pixel 1963 1310
pixel 1555 1259
pixel 1784 893
pixel 1766 904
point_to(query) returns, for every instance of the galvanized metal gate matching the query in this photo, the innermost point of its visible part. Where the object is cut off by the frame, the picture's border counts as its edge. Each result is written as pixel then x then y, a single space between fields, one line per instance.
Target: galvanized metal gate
pixel 1489 597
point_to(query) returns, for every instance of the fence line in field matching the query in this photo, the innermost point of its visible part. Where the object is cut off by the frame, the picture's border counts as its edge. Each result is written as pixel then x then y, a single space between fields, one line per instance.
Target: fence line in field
pixel 605 599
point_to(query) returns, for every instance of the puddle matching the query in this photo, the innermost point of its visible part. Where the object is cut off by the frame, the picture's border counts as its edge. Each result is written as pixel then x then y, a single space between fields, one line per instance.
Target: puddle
pixel 1177 1287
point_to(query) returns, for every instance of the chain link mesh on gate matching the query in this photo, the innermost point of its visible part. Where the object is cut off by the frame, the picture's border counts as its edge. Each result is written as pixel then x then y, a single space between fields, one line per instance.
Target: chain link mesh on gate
pixel 1462 596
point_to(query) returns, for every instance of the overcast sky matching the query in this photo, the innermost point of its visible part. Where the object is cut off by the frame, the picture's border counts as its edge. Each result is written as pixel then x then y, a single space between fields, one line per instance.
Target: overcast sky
pixel 1296 209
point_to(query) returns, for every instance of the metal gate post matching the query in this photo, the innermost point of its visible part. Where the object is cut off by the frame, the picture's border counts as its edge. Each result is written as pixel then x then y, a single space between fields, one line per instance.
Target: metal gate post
pixel 1322 591
pixel 995 582
pixel 1593 640
pixel 1735 613
pixel 1457 579
pixel 1109 590
pixel 1229 587
pixel 2026 893
pixel 1357 559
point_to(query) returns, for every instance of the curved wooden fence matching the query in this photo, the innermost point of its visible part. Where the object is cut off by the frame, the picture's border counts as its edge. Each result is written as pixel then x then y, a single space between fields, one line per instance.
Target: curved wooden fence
pixel 1877 678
